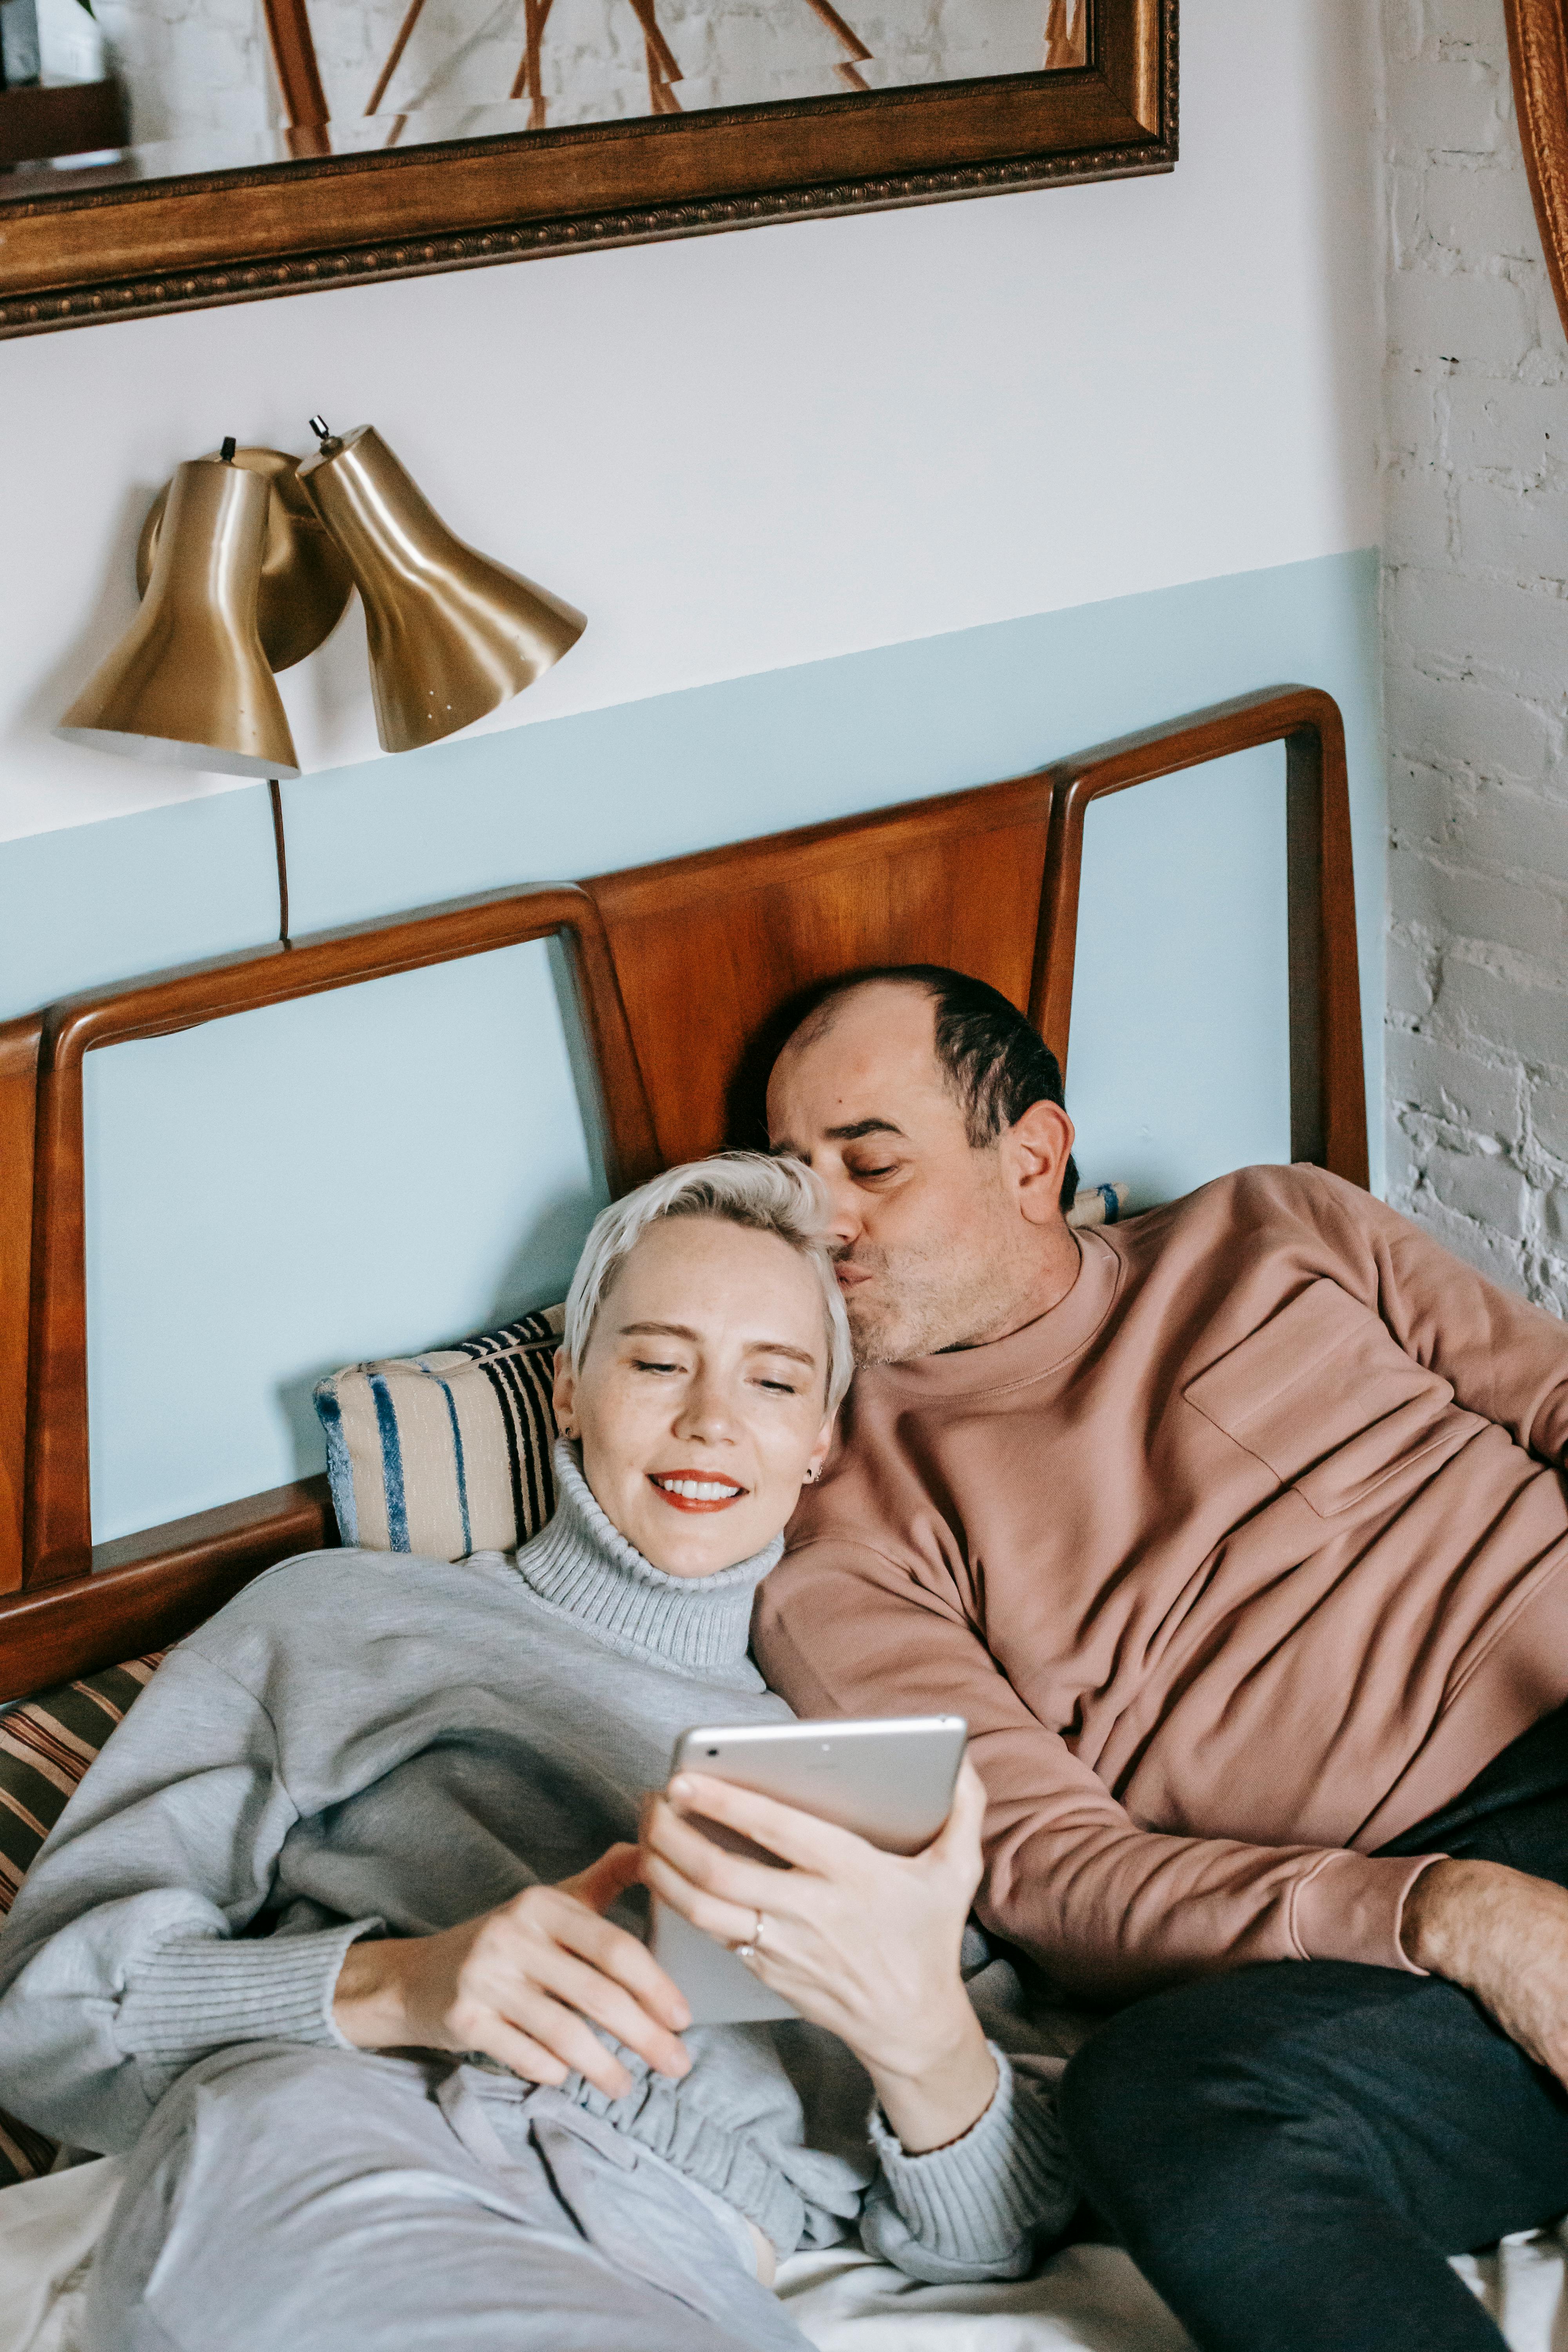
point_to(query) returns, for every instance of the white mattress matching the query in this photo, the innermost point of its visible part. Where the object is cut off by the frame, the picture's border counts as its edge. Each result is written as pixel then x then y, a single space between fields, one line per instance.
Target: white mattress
pixel 1089 2296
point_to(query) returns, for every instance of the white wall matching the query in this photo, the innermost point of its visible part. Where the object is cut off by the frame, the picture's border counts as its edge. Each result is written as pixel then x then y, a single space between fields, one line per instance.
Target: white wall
pixel 1476 616
pixel 912 501
pixel 752 450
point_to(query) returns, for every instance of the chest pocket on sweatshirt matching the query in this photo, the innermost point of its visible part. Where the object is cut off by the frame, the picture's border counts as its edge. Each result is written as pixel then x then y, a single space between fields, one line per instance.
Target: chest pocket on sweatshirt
pixel 1325 1397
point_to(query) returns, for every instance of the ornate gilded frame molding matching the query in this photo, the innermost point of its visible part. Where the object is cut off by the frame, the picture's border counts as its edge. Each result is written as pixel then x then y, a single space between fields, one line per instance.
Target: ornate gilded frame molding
pixel 234 237
pixel 1538 54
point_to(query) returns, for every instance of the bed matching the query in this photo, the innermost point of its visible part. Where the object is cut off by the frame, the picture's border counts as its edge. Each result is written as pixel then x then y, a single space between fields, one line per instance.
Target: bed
pixel 987 879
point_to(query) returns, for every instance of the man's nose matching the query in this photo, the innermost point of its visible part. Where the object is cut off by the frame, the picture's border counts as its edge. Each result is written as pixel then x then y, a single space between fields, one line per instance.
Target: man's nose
pixel 845 1223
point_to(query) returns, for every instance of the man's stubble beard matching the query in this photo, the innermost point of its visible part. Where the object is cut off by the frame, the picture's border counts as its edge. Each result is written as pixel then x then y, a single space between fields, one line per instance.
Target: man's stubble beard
pixel 921 1302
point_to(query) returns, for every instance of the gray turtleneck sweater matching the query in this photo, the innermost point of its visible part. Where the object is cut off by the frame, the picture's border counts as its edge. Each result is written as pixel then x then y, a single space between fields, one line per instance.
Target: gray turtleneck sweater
pixel 363 1742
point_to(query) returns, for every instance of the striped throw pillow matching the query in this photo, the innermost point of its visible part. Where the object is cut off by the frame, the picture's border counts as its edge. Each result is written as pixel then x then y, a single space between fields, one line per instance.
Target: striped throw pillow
pixel 447 1454
pixel 46 1747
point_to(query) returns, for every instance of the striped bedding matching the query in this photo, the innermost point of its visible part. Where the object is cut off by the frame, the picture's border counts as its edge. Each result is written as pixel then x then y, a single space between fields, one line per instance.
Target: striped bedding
pixel 46 1747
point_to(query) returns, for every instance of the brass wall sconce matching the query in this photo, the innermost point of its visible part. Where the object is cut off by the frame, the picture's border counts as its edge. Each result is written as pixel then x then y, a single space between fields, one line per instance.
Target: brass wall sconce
pixel 191 682
pixel 453 634
pixel 246 563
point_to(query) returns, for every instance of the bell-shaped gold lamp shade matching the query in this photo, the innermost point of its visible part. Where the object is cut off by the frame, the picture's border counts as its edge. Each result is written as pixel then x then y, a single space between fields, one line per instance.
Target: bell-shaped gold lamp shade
pixel 189 684
pixel 453 634
pixel 305 583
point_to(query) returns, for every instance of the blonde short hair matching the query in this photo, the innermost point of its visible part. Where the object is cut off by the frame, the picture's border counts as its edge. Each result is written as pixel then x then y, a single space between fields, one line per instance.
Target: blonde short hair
pixel 740 1187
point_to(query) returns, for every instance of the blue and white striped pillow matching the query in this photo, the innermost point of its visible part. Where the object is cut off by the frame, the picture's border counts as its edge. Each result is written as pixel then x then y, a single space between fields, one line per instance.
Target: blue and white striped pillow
pixel 446 1453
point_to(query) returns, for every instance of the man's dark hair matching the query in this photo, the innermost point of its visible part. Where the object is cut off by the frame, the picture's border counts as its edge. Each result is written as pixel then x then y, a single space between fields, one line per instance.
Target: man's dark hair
pixel 996 1062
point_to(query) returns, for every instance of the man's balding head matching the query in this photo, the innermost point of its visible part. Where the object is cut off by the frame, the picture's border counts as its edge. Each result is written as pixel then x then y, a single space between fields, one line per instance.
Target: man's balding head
pixel 934 1112
pixel 996 1062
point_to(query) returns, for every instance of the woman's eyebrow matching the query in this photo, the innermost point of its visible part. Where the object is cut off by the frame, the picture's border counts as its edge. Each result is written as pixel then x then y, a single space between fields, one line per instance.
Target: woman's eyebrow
pixel 782 1347
pixel 684 1331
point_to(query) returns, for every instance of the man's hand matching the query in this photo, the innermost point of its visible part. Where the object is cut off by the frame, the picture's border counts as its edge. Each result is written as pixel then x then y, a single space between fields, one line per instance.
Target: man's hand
pixel 518 1982
pixel 1504 1937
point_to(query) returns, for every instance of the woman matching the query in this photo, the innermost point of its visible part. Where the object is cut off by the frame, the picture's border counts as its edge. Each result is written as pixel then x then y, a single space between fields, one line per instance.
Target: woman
pixel 442 2098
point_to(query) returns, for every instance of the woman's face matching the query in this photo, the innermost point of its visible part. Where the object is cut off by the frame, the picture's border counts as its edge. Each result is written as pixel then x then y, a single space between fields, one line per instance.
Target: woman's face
pixel 699 1399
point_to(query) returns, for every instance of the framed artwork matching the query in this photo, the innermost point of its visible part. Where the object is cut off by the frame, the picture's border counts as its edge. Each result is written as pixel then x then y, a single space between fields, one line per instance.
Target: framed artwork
pixel 370 138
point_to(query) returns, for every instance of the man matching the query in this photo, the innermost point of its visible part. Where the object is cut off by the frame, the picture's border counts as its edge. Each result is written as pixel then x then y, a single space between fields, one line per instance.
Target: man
pixel 1238 1534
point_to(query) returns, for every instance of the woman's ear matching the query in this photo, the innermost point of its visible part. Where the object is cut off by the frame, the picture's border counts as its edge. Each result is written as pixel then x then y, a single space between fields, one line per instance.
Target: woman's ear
pixel 818 1454
pixel 564 1395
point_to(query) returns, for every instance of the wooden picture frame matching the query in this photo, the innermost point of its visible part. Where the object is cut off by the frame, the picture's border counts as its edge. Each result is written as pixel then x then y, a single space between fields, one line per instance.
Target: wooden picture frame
pixel 89 254
pixel 985 878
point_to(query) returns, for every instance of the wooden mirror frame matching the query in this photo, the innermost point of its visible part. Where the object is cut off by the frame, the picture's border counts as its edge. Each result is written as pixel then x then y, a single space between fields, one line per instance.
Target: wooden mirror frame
pixel 316 220
pixel 1538 55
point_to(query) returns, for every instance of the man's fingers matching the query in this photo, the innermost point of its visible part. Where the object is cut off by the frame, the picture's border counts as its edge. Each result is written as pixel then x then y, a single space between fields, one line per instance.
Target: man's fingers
pixel 795 1837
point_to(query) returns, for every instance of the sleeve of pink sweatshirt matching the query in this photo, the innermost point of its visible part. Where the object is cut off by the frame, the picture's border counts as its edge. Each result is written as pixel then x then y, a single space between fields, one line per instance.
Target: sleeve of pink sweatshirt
pixel 1110 1911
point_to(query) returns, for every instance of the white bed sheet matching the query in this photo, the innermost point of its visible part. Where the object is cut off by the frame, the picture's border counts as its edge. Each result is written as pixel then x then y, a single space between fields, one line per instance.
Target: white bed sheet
pixel 1087 2299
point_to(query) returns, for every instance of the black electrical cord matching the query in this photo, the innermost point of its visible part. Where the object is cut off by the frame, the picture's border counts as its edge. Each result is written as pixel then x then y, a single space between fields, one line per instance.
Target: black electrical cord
pixel 276 791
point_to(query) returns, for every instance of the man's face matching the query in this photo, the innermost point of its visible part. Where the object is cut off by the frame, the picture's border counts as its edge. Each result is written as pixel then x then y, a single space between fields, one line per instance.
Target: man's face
pixel 933 1249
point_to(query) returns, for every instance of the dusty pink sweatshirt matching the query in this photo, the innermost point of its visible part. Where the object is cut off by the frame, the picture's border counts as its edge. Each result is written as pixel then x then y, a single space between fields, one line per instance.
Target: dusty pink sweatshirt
pixel 1240 1561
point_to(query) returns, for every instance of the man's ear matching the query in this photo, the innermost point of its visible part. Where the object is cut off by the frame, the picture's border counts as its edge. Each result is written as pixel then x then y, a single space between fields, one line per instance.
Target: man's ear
pixel 1037 1149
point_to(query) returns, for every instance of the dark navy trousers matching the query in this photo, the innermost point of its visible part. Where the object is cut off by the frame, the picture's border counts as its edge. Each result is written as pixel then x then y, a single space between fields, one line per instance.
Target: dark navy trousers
pixel 1289 2152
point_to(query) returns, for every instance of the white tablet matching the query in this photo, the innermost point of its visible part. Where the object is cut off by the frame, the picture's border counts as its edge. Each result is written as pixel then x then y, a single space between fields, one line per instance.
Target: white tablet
pixel 889 1779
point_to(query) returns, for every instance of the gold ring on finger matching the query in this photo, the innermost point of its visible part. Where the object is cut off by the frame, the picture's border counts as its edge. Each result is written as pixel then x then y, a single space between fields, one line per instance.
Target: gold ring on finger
pixel 748 1950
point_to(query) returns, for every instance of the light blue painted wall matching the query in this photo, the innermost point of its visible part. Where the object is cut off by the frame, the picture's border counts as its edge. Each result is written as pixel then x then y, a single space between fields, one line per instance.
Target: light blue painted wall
pixel 387 1166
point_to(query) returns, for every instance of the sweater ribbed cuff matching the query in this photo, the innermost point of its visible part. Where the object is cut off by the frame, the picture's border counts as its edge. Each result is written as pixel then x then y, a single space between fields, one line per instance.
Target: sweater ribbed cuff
pixel 195 1993
pixel 1349 1907
pixel 1006 2180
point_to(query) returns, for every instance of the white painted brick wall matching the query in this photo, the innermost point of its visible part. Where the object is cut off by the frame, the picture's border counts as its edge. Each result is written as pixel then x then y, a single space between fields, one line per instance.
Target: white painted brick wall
pixel 1476 651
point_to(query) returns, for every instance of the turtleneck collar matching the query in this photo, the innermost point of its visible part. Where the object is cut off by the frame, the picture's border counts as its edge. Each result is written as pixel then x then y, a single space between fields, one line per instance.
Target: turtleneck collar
pixel 582 1565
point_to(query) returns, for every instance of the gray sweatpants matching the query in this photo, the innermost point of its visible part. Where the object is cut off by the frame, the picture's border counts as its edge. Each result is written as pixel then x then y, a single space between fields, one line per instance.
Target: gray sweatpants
pixel 290 2199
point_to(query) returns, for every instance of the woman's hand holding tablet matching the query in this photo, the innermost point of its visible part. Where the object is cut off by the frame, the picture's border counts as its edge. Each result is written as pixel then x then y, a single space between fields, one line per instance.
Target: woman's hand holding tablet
pixel 854 1938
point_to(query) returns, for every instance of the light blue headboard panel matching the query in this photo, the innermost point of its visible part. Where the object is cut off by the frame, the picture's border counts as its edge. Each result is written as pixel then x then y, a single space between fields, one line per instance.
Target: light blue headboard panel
pixel 1178 1067
pixel 379 1168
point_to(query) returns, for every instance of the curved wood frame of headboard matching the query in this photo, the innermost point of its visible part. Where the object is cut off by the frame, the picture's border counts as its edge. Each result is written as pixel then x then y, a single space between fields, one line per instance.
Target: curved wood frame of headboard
pixel 987 879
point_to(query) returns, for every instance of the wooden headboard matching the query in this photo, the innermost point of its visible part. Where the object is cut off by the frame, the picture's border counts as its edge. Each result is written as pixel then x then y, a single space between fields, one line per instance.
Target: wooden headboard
pixel 985 879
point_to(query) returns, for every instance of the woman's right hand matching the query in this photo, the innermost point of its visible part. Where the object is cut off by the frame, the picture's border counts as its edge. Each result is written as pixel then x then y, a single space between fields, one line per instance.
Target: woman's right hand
pixel 521 1983
pixel 864 1942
